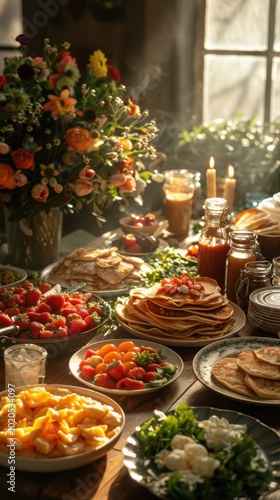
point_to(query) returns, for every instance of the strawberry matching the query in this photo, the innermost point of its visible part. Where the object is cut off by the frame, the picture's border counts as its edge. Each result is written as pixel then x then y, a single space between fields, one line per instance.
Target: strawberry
pixel 94 309
pixel 104 380
pixel 77 326
pixel 44 287
pixel 129 383
pixel 89 353
pixel 149 376
pixel 35 329
pixel 22 321
pixel 90 321
pixel 46 334
pixel 152 367
pixel 5 320
pixel 55 301
pixel 43 317
pixel 137 373
pixel 43 307
pixel 61 332
pixel 116 370
pixel 12 311
pixel 16 300
pixel 32 297
pixel 67 309
pixel 83 363
pixel 168 368
pixel 24 335
pixel 87 372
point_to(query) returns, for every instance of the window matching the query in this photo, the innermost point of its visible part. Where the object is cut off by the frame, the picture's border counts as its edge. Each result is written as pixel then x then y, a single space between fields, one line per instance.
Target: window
pixel 11 26
pixel 238 59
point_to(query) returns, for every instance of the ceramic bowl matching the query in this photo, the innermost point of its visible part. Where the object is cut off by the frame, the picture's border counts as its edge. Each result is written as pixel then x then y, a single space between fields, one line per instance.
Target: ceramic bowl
pixel 128 228
pixel 11 276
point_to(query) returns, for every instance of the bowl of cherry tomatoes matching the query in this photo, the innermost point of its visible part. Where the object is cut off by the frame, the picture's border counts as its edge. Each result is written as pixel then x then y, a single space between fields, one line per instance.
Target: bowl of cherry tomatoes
pixel 134 224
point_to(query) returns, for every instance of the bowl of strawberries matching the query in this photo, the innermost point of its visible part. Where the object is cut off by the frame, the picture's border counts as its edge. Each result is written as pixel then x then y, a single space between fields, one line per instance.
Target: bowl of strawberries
pixel 60 321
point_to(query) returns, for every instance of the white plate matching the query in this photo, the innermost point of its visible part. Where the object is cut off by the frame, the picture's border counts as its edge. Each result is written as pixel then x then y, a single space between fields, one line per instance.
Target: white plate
pixel 267 298
pixel 22 275
pixel 162 244
pixel 143 471
pixel 74 461
pixel 101 293
pixel 171 357
pixel 239 316
pixel 206 357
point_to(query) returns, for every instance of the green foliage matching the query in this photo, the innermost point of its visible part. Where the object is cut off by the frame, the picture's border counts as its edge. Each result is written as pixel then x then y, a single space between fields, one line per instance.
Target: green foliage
pixel 253 150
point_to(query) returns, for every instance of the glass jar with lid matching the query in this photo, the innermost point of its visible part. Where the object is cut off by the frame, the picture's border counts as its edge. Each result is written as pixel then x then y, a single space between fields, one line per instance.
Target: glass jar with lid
pixel 255 275
pixel 213 241
pixel 243 248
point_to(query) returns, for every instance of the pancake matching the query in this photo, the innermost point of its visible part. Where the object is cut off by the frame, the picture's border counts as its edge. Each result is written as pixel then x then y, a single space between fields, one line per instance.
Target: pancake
pixel 269 354
pixel 264 388
pixel 248 361
pixel 227 372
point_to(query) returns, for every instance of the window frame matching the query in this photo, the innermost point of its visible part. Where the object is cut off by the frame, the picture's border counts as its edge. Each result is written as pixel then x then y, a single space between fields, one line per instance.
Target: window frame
pixel 200 52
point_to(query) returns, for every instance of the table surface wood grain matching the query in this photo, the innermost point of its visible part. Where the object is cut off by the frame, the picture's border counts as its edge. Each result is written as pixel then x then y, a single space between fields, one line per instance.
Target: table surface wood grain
pixel 107 478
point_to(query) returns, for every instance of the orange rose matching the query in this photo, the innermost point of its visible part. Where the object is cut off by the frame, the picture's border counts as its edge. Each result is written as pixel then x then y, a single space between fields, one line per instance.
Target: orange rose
pixel 23 159
pixel 79 139
pixel 7 177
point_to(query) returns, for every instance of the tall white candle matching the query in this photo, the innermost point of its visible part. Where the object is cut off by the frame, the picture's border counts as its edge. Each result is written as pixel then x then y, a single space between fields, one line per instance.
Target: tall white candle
pixel 230 184
pixel 211 179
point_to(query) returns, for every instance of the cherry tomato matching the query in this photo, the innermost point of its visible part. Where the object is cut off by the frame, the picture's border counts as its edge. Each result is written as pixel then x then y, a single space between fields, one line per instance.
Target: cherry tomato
pixel 128 240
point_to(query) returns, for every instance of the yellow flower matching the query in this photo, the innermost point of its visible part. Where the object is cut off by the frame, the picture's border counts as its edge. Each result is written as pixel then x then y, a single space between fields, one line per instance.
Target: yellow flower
pixel 97 63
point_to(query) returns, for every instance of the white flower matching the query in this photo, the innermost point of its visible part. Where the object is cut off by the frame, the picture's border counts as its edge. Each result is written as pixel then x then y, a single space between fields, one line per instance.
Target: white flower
pixel 220 433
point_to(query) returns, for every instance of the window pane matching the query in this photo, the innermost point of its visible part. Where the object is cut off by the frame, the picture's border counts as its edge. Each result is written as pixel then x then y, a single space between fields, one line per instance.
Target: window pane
pixel 233 84
pixel 236 24
pixel 277 27
pixel 275 94
pixel 11 22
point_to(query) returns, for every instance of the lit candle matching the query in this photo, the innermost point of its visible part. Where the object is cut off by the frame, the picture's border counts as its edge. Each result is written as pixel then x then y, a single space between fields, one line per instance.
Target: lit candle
pixel 211 179
pixel 230 188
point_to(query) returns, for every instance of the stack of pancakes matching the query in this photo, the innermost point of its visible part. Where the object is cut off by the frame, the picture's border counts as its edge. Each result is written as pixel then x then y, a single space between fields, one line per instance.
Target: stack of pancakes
pixel 178 316
pixel 254 373
pixel 102 269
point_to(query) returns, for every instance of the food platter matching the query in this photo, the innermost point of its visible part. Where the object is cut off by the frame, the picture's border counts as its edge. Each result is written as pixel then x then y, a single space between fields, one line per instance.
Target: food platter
pixel 112 292
pixel 20 275
pixel 37 464
pixel 145 473
pixel 206 357
pixel 171 357
pixel 239 317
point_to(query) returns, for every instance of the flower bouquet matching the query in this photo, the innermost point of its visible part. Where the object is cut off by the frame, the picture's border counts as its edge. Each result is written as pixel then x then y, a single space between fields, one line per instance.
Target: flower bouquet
pixel 65 144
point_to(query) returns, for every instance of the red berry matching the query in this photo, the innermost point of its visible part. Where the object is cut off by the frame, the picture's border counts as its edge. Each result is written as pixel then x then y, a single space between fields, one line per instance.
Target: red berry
pixel 77 326
pixel 32 297
pixel 55 300
pixel 104 380
pixel 87 372
pixel 116 370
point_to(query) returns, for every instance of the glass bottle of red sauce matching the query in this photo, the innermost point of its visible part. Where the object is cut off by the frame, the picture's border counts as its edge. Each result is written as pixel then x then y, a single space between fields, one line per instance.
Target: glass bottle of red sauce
pixel 244 248
pixel 213 242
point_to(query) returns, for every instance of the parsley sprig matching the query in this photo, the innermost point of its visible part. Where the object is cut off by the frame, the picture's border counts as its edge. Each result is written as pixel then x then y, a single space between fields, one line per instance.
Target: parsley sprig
pixel 168 263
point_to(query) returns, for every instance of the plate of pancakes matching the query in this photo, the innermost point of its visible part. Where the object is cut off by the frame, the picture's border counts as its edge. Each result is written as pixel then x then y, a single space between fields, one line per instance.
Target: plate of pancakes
pixel 105 271
pixel 180 320
pixel 246 369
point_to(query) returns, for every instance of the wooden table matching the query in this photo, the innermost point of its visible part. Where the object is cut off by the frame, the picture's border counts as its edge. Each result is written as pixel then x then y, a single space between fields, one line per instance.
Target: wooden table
pixel 107 478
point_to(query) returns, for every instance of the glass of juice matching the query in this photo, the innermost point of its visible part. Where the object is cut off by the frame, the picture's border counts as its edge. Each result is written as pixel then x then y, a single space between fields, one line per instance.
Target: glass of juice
pixel 178 191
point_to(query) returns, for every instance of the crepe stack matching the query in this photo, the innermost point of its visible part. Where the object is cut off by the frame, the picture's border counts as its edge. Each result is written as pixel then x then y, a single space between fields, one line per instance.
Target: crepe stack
pixel 178 316
pixel 101 269
pixel 251 373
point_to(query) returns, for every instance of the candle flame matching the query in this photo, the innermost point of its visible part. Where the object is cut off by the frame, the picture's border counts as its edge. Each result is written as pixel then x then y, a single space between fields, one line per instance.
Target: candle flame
pixel 211 162
pixel 230 172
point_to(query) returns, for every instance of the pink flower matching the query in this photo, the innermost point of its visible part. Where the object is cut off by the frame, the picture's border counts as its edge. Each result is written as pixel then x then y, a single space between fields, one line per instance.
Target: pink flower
pixel 129 186
pixel 20 179
pixel 117 179
pixel 82 187
pixel 40 192
pixel 86 173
